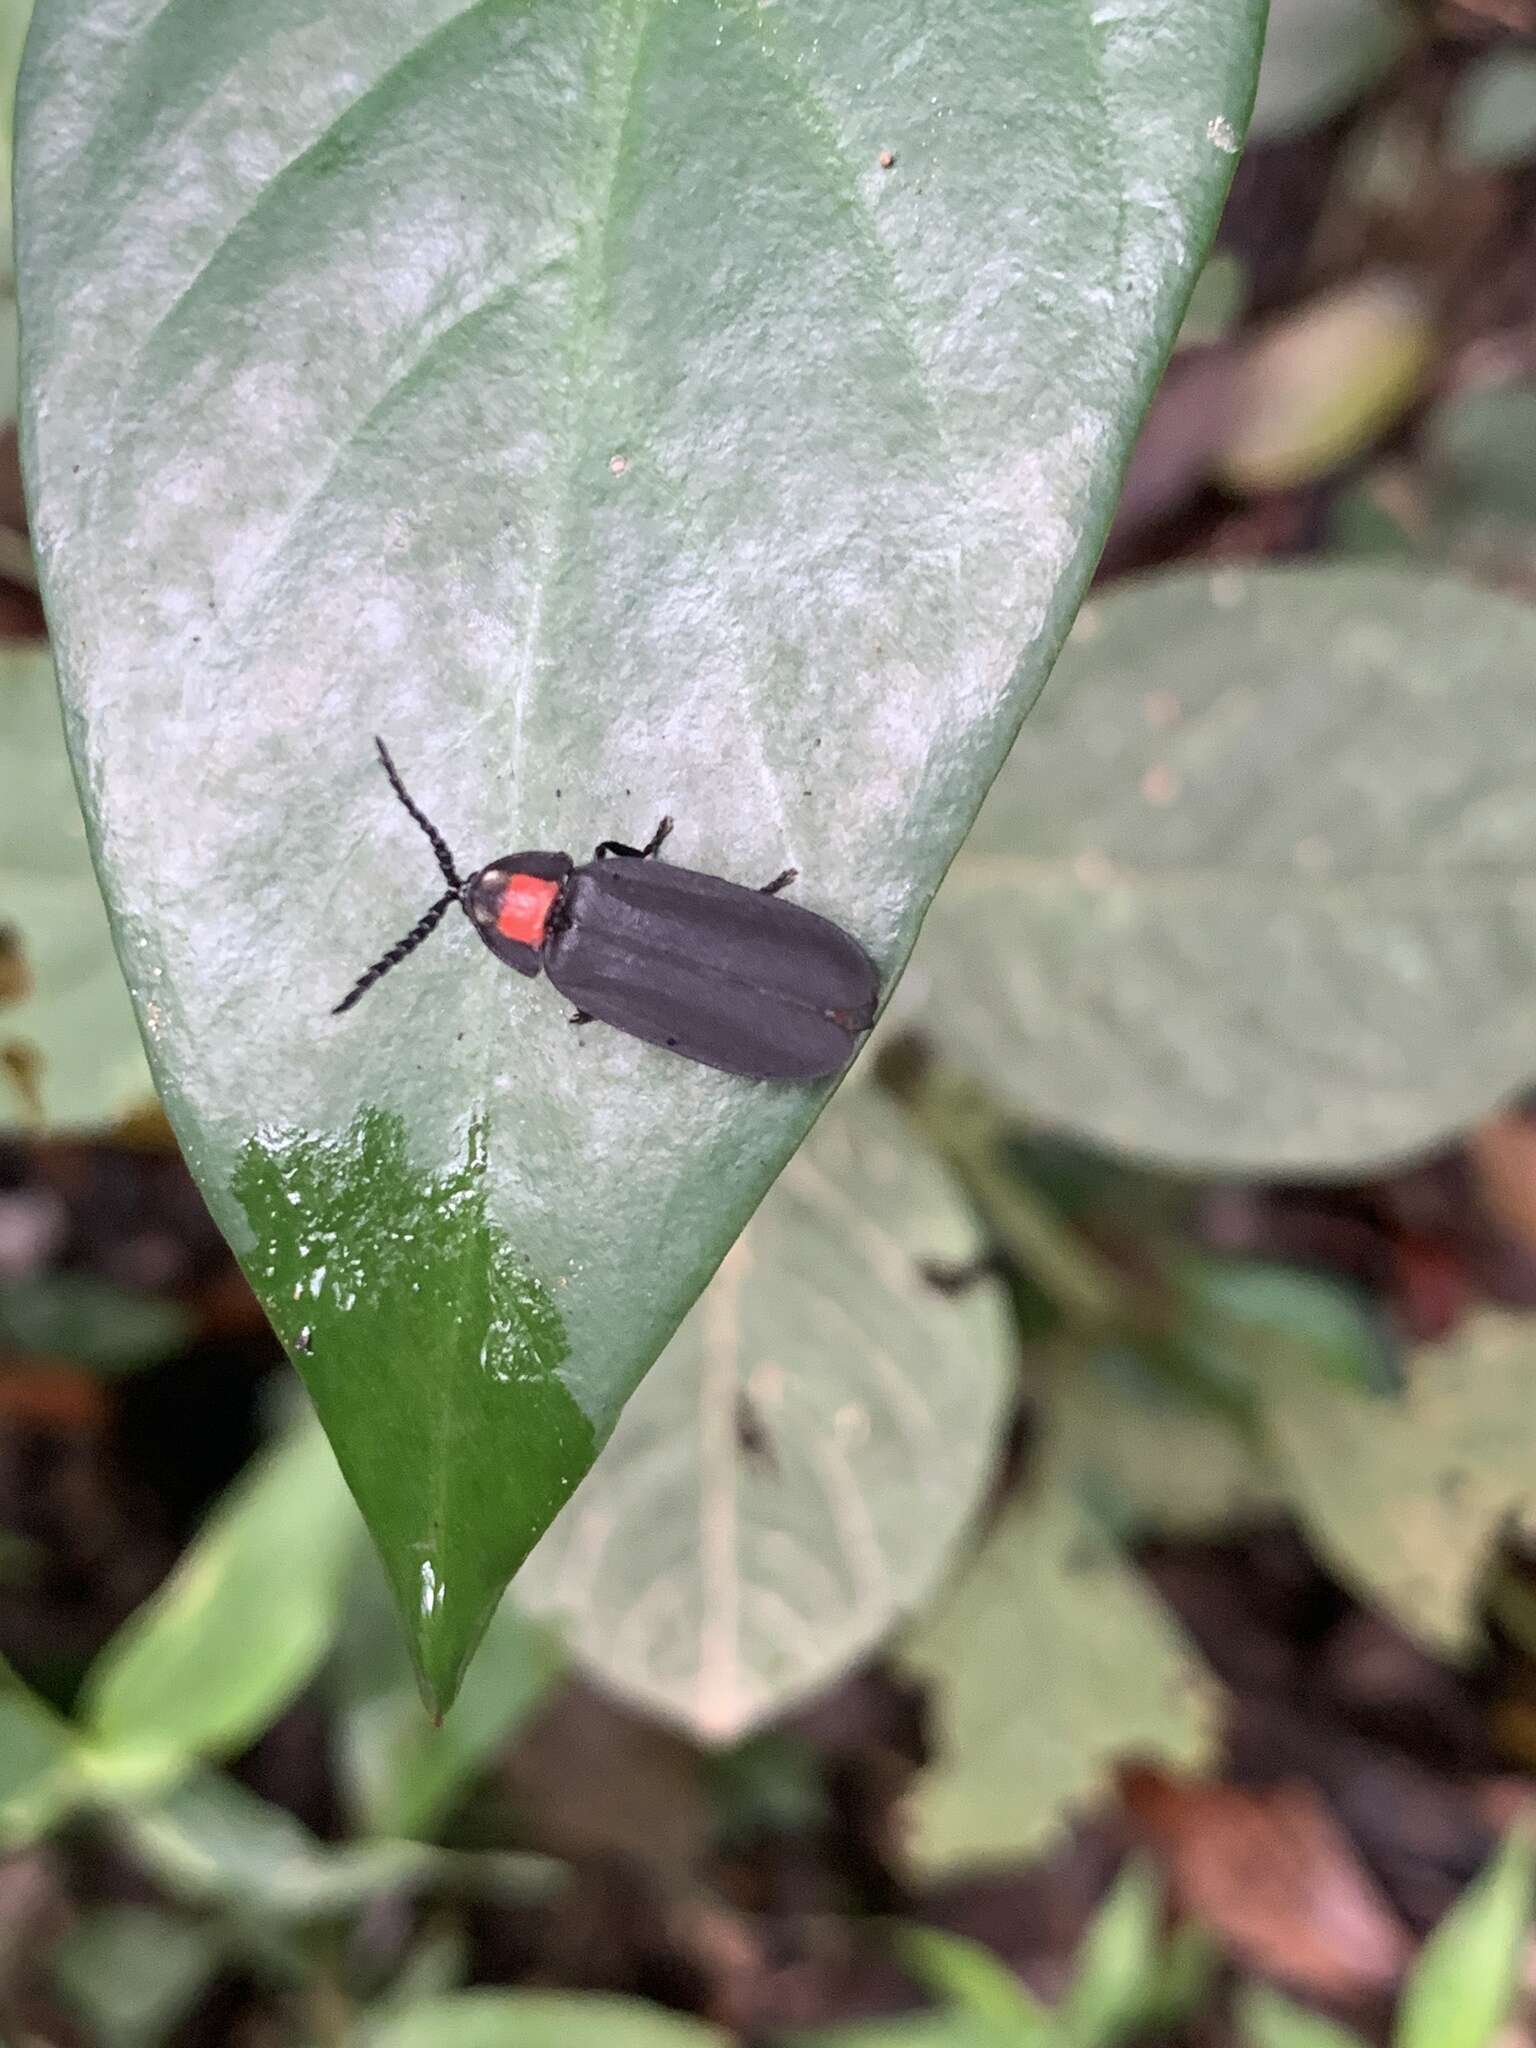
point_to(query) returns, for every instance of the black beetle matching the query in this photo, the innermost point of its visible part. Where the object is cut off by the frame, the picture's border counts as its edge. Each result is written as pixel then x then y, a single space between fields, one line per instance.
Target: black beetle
pixel 731 977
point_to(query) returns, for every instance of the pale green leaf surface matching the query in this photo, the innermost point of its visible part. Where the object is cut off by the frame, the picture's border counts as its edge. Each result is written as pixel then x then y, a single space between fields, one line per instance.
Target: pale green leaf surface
pixel 795 1474
pixel 1026 1660
pixel 1257 888
pixel 1406 1497
pixel 533 2019
pixel 1463 1986
pixel 74 1024
pixel 562 389
pixel 237 1629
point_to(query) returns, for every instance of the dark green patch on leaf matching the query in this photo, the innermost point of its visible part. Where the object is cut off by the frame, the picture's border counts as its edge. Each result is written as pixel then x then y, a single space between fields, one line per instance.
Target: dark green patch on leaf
pixel 433 1361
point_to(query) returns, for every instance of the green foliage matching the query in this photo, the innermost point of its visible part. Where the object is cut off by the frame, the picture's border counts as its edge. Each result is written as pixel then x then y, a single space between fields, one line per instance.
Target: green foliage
pixel 1127 1978
pixel 1463 1987
pixel 558 390
pixel 1321 385
pixel 1117 1964
pixel 983 1996
pixel 1459 1993
pixel 207 1663
pixel 238 1628
pixel 1264 1323
pixel 495 2019
pixel 1266 2020
pixel 39 1779
pixel 210 1843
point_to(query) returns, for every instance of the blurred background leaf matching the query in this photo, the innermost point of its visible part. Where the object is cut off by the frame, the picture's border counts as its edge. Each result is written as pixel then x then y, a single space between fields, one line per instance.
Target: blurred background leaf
pixel 239 1626
pixel 1021 1656
pixel 795 1476
pixel 1169 947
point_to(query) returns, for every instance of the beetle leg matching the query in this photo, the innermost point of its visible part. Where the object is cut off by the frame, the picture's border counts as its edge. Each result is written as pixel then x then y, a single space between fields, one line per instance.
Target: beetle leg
pixel 779 882
pixel 579 1017
pixel 609 847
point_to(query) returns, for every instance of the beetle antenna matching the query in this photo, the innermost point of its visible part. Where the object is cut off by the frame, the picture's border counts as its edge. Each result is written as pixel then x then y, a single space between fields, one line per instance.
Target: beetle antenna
pixel 439 844
pixel 413 938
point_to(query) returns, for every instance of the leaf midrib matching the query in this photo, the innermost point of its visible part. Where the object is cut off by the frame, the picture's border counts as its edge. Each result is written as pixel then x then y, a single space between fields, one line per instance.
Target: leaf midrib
pixel 586 299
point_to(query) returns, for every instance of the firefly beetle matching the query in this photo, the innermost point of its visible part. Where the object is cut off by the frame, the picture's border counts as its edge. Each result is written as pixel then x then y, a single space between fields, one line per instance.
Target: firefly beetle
pixel 730 977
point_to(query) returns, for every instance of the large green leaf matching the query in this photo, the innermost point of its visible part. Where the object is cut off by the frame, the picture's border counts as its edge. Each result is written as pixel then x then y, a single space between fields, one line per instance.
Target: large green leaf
pixel 1256 889
pixel 794 1475
pixel 571 391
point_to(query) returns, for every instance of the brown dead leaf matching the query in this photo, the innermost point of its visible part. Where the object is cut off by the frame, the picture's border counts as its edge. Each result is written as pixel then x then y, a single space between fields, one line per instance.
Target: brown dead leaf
pixel 1275 1877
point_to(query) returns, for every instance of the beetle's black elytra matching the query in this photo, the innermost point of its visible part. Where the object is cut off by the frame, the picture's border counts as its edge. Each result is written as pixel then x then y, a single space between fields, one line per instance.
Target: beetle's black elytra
pixel 731 977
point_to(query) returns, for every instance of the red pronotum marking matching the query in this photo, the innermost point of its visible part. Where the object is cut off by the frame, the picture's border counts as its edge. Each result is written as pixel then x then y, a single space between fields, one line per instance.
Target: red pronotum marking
pixel 524 909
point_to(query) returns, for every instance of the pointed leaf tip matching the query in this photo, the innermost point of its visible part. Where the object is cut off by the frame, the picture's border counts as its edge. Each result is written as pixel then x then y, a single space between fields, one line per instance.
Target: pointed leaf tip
pixel 433 1357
